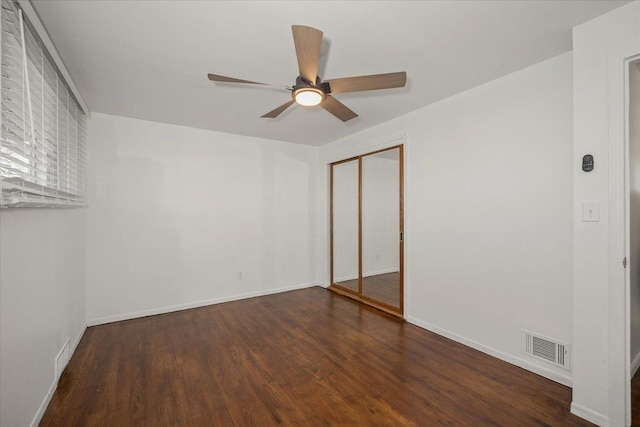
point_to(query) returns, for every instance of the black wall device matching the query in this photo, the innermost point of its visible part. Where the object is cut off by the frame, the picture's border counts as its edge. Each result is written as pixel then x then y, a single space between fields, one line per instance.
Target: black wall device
pixel 587 163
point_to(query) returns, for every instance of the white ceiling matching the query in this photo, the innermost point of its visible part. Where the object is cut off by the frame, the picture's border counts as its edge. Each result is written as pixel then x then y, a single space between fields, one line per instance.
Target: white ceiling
pixel 150 59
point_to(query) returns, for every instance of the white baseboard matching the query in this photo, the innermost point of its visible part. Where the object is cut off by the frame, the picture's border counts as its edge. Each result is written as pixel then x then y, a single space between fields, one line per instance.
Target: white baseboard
pixel 383 271
pixel 74 343
pixel 589 415
pixel 346 278
pixel 196 304
pixel 509 358
pixel 43 406
pixel 54 384
pixel 369 274
pixel 635 365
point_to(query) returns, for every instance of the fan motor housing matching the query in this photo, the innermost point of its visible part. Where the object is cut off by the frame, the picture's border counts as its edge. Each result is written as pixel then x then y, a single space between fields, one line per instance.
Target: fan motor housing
pixel 302 83
pixel 322 89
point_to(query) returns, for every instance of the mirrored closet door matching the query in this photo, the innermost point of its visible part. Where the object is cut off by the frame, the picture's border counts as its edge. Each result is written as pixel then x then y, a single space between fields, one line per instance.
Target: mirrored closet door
pixel 345 224
pixel 367 227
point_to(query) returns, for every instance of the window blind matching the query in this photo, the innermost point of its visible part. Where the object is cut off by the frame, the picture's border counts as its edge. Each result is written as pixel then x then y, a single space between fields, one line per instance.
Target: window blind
pixel 42 136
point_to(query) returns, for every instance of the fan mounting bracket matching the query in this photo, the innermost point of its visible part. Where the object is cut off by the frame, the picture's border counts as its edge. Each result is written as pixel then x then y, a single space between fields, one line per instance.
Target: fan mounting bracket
pixel 301 83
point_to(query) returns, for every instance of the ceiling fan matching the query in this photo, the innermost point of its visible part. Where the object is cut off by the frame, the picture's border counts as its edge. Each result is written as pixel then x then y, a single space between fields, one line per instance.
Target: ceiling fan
pixel 310 90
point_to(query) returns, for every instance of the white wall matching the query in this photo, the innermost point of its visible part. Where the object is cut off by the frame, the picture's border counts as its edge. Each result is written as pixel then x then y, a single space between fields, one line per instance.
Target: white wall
pixel 488 210
pixel 593 44
pixel 634 181
pixel 42 304
pixel 175 212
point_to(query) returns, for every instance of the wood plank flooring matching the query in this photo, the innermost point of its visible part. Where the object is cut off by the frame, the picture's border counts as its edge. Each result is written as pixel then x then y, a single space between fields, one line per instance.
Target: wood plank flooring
pixel 381 287
pixel 635 399
pixel 304 358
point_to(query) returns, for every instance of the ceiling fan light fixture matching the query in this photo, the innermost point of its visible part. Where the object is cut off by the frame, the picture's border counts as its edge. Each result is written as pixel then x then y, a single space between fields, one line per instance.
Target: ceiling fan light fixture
pixel 310 90
pixel 308 96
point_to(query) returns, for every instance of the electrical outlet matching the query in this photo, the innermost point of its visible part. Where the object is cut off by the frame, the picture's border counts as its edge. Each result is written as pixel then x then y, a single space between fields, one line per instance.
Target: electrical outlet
pixel 239 275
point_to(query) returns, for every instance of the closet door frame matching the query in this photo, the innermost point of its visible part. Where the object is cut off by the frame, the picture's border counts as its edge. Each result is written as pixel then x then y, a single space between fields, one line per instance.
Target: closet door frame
pixel 388 308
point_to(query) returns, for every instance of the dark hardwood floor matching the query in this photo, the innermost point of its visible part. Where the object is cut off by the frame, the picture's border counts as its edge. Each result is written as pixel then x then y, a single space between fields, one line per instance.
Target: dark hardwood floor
pixel 381 287
pixel 635 400
pixel 349 284
pixel 303 358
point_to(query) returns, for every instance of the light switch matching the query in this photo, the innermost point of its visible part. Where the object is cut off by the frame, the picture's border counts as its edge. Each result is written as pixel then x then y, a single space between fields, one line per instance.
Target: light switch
pixel 591 211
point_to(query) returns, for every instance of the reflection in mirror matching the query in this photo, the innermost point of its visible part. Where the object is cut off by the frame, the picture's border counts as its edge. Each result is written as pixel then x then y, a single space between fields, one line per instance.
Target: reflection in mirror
pixel 381 226
pixel 345 224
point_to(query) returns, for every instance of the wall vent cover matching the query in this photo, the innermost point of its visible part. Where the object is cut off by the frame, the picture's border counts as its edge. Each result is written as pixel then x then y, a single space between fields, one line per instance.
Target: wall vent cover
pixel 547 349
pixel 62 360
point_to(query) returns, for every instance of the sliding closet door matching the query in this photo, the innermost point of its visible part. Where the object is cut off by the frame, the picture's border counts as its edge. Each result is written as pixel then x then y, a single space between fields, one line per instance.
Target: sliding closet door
pixel 366 229
pixel 381 227
pixel 345 224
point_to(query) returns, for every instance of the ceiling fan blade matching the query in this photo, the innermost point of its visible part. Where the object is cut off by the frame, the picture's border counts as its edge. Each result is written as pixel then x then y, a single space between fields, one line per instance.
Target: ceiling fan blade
pixel 371 82
pixel 218 78
pixel 308 42
pixel 275 113
pixel 338 109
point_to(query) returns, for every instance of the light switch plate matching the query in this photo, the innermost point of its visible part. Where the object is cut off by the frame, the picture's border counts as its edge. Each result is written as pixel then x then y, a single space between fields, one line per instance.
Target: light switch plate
pixel 591 211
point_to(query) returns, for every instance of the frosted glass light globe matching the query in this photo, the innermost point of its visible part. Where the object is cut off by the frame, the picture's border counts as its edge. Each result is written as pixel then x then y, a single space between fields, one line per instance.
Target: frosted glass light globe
pixel 309 97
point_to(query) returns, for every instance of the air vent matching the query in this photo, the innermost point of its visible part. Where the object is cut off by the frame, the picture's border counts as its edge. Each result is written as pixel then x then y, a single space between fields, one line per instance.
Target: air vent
pixel 62 360
pixel 547 349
